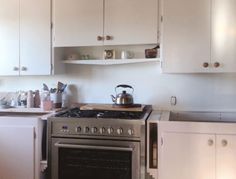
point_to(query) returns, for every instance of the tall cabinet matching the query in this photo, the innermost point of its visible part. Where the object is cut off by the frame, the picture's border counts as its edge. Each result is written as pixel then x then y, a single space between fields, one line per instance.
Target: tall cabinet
pixel 104 22
pixel 25 46
pixel 198 36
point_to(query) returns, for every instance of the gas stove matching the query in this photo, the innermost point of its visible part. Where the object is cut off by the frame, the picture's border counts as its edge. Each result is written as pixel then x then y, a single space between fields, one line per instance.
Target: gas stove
pixel 100 123
pixel 88 143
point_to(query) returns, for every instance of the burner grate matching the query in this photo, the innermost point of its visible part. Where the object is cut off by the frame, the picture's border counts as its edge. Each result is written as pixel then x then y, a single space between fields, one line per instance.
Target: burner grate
pixel 77 113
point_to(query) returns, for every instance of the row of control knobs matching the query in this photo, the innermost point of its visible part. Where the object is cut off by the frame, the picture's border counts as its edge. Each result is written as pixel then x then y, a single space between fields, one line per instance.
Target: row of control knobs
pixel 103 130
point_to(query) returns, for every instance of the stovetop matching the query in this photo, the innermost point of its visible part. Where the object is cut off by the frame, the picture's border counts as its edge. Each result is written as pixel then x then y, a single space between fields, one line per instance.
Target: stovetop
pixel 78 113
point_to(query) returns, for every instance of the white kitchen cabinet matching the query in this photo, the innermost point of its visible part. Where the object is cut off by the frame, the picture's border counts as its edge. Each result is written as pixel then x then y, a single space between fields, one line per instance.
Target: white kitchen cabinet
pixel 35 37
pixel 185 156
pixel 9 35
pixel 20 153
pixel 197 150
pixel 198 36
pixel 225 156
pixel 17 152
pixel 104 22
pixel 77 22
pixel 224 35
pixel 131 22
pixel 25 46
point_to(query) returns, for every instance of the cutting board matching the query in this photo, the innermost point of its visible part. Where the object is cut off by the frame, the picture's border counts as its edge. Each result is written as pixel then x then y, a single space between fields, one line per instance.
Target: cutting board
pixel 110 107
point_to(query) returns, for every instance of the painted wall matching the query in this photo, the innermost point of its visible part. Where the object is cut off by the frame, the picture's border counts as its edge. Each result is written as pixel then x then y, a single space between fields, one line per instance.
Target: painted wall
pixel 94 84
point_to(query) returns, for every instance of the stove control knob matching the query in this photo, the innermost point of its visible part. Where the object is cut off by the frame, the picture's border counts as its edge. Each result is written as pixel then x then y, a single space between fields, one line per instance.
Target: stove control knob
pixel 78 129
pixel 94 130
pixel 130 131
pixel 86 129
pixel 102 130
pixel 119 131
pixel 110 130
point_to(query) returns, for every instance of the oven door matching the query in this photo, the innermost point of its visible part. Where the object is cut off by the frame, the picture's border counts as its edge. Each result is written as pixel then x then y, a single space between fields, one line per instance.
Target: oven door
pixel 91 159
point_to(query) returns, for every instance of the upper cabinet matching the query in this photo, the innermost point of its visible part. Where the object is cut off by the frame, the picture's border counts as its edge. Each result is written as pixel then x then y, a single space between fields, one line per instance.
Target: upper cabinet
pixel 198 36
pixel 35 37
pixel 25 46
pixel 104 22
pixel 9 35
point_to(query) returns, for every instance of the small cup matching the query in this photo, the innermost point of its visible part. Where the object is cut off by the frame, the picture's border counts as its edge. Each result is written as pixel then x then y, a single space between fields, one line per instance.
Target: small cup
pixel 56 99
pixel 126 55
pixel 73 56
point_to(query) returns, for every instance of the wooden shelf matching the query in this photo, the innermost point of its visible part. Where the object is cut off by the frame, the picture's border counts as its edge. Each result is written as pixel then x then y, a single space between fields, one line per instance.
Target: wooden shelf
pixel 111 62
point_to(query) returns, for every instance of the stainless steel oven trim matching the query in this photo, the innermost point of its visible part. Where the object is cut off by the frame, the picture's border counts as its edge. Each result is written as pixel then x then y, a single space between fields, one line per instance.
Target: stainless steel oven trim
pixel 63 145
pixel 131 146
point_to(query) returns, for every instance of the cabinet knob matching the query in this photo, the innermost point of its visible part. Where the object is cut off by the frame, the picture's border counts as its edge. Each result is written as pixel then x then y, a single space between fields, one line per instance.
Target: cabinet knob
pixel 108 37
pixel 99 38
pixel 23 69
pixel 15 69
pixel 210 142
pixel 205 65
pixel 216 64
pixel 224 143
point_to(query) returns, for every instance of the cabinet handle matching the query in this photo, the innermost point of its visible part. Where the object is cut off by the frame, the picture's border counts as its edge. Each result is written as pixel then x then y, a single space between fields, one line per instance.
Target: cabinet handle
pixel 216 64
pixel 210 142
pixel 224 143
pixel 99 38
pixel 108 37
pixel 23 69
pixel 205 65
pixel 15 69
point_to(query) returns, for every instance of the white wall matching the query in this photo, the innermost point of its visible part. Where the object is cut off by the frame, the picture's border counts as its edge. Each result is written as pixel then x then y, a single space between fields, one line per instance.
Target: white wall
pixel 96 83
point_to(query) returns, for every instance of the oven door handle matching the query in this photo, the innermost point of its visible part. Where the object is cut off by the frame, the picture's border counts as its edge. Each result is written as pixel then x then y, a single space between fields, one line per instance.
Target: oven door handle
pixel 76 146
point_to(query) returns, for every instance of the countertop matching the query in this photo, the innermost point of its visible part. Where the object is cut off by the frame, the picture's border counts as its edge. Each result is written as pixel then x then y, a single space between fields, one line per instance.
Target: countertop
pixel 27 112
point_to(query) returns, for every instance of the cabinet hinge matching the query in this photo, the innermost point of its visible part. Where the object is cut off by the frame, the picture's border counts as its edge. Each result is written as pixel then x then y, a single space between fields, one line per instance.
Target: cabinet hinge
pixel 162 141
pixel 161 18
pixel 51 25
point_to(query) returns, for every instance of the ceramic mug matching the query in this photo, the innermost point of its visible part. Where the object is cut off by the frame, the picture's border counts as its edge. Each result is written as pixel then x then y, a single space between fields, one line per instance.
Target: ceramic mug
pixel 126 54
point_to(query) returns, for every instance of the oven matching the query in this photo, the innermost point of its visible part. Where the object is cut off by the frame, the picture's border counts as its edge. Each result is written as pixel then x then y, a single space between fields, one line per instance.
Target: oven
pixel 103 148
pixel 90 159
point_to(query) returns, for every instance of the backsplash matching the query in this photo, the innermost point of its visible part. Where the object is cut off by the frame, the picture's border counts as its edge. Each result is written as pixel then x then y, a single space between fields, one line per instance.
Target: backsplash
pixel 95 84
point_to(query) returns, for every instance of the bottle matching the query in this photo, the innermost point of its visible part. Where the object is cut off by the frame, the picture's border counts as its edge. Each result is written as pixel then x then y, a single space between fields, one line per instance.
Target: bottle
pixel 30 99
pixel 37 99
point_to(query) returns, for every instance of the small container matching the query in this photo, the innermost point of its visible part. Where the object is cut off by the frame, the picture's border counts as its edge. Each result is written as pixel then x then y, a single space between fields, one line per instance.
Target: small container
pixel 30 99
pixel 151 53
pixel 56 99
pixel 37 99
pixel 65 100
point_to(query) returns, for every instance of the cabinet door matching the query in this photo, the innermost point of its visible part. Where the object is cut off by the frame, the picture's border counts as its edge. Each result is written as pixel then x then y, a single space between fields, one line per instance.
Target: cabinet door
pixel 9 37
pixel 224 35
pixel 35 37
pixel 187 156
pixel 17 152
pixel 77 22
pixel 186 35
pixel 131 21
pixel 226 157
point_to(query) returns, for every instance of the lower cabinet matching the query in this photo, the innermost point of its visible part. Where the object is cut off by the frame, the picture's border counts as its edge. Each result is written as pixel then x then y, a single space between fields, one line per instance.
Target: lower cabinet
pixel 197 154
pixel 20 148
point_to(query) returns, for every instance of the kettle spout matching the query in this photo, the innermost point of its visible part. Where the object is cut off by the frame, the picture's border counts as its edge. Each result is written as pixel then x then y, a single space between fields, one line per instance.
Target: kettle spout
pixel 113 98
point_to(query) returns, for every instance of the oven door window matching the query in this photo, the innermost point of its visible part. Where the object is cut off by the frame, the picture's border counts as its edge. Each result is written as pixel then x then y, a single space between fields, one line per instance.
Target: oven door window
pixel 75 163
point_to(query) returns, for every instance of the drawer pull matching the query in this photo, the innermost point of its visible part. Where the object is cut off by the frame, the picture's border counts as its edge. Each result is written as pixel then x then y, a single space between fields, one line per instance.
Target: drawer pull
pixel 224 143
pixel 216 64
pixel 205 65
pixel 210 142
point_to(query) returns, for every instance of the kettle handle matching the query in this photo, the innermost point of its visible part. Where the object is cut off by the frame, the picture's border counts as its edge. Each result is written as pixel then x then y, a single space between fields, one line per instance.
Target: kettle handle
pixel 124 86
